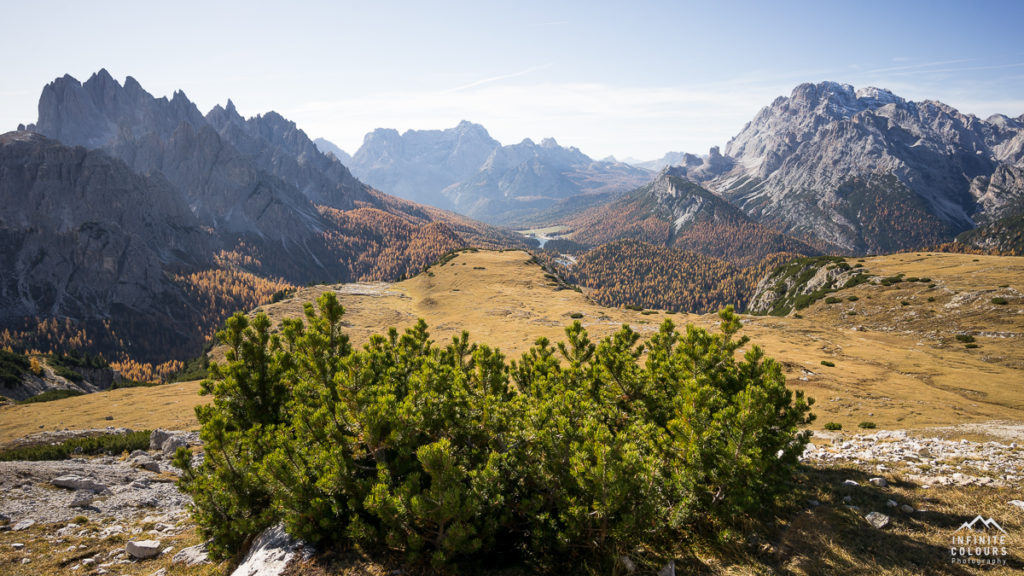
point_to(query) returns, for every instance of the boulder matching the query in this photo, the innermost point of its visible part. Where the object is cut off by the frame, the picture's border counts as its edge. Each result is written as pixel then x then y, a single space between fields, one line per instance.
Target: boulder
pixel 171 445
pixel 271 554
pixel 158 437
pixel 74 482
pixel 23 525
pixel 879 482
pixel 143 549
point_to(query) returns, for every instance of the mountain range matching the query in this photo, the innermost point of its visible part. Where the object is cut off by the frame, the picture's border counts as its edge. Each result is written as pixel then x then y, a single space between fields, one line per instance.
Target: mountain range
pixel 117 203
pixel 466 170
pixel 133 224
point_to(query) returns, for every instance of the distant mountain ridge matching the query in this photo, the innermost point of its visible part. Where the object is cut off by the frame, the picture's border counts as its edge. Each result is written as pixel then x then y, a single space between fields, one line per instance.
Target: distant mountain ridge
pixel 466 170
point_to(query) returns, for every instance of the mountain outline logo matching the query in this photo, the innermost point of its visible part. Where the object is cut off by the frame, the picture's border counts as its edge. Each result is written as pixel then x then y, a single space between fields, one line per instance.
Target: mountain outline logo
pixel 987 522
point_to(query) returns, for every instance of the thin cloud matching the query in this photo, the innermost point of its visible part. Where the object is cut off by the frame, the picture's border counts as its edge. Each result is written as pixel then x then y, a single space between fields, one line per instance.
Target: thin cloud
pixel 493 79
pixel 921 66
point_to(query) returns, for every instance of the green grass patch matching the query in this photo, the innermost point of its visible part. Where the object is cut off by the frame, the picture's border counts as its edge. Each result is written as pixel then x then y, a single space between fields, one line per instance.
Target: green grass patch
pixel 51 395
pixel 93 445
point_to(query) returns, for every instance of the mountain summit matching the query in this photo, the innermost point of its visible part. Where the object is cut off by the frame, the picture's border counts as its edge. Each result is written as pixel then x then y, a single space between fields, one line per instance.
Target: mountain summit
pixel 868 171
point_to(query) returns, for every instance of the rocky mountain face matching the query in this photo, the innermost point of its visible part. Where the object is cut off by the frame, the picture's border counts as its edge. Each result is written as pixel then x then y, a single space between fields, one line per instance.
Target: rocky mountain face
pixel 276 144
pixel 466 170
pixel 419 164
pixel 675 212
pixel 133 221
pixel 224 185
pixel 865 170
pixel 86 237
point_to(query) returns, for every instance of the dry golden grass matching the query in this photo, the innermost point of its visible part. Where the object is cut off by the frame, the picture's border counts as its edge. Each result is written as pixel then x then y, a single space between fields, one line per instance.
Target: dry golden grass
pixel 169 406
pixel 897 366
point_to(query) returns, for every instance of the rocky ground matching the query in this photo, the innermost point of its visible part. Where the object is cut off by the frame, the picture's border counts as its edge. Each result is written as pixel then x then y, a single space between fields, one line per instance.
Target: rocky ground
pixel 99 515
pixel 124 514
pixel 929 460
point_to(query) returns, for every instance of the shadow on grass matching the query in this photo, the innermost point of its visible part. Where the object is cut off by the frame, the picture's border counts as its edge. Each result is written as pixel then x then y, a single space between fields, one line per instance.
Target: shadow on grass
pixel 835 538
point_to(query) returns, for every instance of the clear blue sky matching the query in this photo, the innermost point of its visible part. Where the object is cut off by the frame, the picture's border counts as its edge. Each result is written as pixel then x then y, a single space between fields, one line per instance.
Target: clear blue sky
pixel 625 78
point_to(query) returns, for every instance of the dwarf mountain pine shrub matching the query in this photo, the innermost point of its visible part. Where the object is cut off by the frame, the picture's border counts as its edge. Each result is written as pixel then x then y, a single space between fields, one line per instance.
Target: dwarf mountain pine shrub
pixel 573 455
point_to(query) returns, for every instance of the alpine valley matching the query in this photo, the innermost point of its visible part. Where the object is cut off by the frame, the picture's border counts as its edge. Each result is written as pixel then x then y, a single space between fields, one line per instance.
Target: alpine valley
pixel 310 311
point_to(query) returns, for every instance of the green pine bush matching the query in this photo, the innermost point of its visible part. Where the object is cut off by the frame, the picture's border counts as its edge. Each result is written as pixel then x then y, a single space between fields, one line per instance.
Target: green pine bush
pixel 572 456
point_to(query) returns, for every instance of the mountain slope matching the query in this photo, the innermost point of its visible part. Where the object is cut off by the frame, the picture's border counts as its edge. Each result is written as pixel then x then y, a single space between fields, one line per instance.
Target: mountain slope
pixel 91 243
pixel 675 212
pixel 869 171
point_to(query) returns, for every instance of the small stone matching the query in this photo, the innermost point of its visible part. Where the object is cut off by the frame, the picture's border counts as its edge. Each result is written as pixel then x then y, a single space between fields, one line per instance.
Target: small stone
pixel 850 483
pixel 1017 503
pixel 192 556
pixel 877 519
pixel 847 499
pixel 143 549
pixel 160 572
pixel 907 509
pixel 17 545
pixel 813 503
pixel 26 560
pixel 23 525
pixel 146 463
pixel 82 499
pixel 108 417
pixel 879 482
pixel 88 562
pixel 891 504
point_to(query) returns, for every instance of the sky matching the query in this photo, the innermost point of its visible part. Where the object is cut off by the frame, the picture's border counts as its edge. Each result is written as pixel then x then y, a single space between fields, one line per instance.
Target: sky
pixel 631 79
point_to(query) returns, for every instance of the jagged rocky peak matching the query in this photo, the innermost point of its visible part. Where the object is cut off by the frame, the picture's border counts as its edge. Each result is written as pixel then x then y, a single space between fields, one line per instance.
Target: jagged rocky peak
pixel 96 113
pixel 826 161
